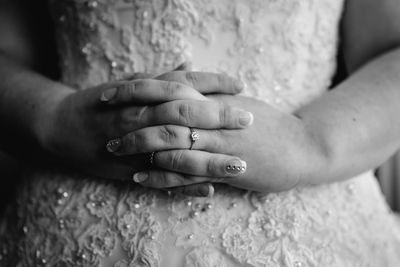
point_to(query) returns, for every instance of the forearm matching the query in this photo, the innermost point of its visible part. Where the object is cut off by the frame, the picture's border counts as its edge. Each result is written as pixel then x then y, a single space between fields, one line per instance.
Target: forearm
pixel 26 100
pixel 356 126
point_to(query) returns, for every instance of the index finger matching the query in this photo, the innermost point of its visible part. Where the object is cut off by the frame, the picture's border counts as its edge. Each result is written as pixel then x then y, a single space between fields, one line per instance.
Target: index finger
pixel 205 82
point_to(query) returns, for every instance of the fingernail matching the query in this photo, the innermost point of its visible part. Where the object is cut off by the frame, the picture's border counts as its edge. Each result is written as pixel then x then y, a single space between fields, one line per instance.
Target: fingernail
pixel 206 191
pixel 108 94
pixel 240 86
pixel 236 167
pixel 245 118
pixel 140 177
pixel 210 190
pixel 113 145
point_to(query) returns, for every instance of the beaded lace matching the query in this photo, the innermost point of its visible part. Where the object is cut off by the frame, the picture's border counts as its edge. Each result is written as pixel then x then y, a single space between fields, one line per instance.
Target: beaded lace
pixel 285 51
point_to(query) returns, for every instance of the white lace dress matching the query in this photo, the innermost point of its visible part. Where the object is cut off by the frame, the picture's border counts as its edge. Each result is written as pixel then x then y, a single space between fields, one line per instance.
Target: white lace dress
pixel 285 51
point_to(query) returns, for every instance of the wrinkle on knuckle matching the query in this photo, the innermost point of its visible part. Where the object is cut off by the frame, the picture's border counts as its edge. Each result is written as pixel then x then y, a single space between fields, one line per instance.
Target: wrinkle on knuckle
pixel 139 118
pixel 169 89
pixel 185 113
pixel 129 90
pixel 191 78
pixel 167 134
pixel 211 168
pixel 176 160
pixel 223 113
pixel 174 89
pixel 140 142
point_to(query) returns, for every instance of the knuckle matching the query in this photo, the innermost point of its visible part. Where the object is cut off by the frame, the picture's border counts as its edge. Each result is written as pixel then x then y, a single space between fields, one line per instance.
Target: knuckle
pixel 185 113
pixel 224 113
pixel 129 91
pixel 211 167
pixel 128 142
pixel 162 180
pixel 167 134
pixel 172 88
pixel 169 87
pixel 140 142
pixel 139 116
pixel 191 78
pixel 176 159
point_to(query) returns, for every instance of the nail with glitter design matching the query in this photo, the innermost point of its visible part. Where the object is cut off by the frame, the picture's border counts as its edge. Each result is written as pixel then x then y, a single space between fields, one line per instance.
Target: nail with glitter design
pixel 140 177
pixel 113 145
pixel 108 94
pixel 235 167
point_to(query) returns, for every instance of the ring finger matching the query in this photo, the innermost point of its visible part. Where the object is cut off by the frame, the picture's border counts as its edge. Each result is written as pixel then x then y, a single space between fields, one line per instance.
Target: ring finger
pixel 165 137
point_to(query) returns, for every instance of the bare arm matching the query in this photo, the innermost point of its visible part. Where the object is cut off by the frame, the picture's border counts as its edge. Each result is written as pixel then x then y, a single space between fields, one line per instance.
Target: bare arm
pixel 41 118
pixel 357 125
pixel 348 130
pixel 23 40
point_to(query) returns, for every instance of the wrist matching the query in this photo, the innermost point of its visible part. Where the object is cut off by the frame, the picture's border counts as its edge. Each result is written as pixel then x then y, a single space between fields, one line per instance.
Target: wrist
pixel 45 119
pixel 315 157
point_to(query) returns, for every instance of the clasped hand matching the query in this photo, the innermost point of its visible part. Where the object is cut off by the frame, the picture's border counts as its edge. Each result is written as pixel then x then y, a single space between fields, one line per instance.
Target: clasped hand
pixel 243 142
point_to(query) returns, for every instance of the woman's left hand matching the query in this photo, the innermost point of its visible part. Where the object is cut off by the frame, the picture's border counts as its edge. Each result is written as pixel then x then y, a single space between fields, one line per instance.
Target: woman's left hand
pixel 276 153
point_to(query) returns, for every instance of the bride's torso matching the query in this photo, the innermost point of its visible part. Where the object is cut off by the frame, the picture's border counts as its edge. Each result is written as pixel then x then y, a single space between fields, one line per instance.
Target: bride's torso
pixel 285 51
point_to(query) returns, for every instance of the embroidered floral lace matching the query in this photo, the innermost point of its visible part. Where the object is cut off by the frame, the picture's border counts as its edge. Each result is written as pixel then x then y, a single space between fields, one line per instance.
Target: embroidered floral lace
pixel 285 51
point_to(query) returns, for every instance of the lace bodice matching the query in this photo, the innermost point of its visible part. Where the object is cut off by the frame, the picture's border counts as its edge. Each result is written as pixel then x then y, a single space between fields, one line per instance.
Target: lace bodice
pixel 285 51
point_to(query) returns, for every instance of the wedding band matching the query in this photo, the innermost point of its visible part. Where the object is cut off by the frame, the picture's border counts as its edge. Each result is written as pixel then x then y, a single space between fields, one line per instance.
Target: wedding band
pixel 152 158
pixel 194 136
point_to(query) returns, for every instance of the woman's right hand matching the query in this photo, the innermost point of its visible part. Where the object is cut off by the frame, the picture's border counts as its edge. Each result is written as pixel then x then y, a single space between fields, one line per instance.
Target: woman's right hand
pixel 81 123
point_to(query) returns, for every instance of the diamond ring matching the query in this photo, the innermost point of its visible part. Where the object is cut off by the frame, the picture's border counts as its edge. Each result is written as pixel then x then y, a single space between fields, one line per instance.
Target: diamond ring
pixel 194 136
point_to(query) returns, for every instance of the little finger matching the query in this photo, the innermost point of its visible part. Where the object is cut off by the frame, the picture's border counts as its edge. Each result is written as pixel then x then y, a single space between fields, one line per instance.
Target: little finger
pixel 200 163
pixel 166 179
pixel 205 82
pixel 194 190
pixel 146 91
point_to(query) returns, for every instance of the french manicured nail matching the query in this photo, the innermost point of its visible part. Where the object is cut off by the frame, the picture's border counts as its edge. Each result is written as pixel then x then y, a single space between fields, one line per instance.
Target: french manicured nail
pixel 245 118
pixel 140 177
pixel 235 167
pixel 108 94
pixel 113 145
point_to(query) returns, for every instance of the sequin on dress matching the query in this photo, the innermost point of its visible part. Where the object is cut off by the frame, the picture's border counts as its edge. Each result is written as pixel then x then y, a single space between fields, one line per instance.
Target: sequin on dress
pixel 285 51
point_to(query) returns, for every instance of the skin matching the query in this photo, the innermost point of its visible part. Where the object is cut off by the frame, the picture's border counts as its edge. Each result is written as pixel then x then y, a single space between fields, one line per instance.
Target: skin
pixel 351 129
pixel 358 120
